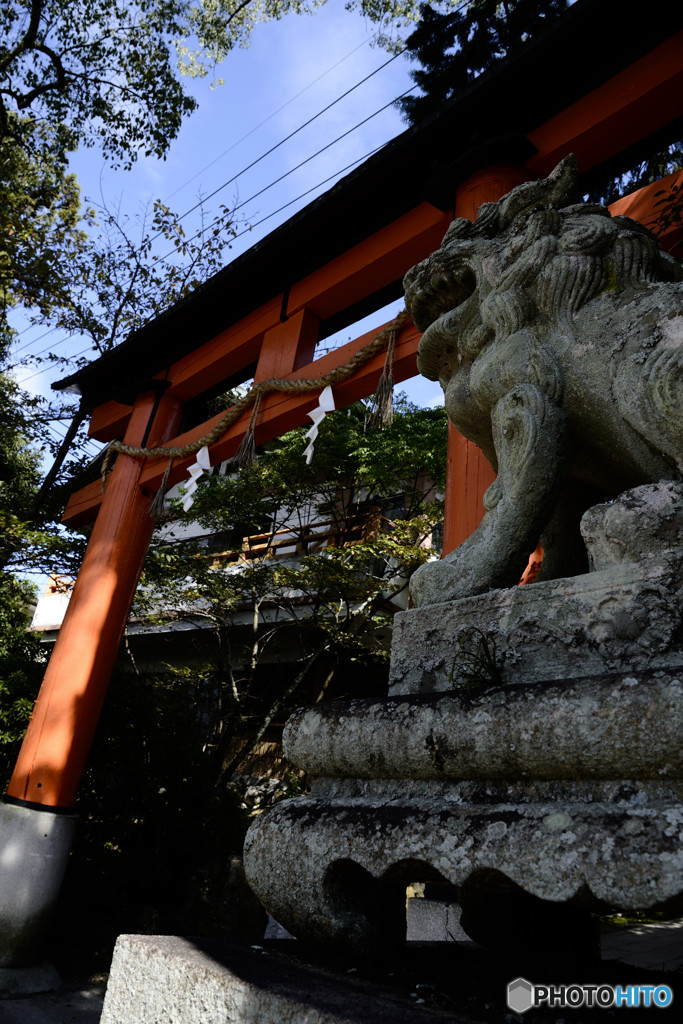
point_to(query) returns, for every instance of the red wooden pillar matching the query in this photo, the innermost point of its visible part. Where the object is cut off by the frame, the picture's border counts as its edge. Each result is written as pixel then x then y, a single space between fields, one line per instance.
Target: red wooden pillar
pixel 63 722
pixel 469 473
pixel 288 346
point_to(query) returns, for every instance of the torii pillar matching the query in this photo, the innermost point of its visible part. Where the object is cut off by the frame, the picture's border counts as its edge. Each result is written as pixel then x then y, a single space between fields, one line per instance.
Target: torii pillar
pixel 37 818
pixel 469 472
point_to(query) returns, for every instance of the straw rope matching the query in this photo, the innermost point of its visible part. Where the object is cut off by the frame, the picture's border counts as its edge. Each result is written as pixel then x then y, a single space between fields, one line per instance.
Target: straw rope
pixel 265 387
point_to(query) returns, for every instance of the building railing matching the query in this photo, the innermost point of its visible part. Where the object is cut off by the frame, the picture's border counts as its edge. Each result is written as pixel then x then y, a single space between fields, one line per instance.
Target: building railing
pixel 305 539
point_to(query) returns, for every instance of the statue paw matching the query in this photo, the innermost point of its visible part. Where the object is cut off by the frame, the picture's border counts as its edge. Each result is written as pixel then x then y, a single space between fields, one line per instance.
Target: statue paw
pixel 449 580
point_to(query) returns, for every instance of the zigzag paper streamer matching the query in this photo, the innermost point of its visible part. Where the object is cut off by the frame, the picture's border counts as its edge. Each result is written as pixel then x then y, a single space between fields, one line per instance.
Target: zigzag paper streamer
pixel 202 464
pixel 325 405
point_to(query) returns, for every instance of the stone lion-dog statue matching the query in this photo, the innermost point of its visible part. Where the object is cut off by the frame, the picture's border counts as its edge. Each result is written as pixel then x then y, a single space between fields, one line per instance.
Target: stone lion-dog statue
pixel 556 332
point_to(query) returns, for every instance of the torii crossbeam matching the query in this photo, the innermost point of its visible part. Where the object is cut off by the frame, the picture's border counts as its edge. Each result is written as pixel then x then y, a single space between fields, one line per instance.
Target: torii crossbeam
pixel 334 262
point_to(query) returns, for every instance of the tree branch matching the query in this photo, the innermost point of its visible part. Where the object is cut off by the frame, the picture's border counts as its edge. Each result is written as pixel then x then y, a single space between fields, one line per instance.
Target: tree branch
pixel 229 769
pixel 30 36
pixel 238 9
pixel 58 460
pixel 56 60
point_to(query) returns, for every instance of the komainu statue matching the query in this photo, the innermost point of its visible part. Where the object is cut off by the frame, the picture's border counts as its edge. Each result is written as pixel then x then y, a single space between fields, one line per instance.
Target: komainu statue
pixel 528 752
pixel 556 332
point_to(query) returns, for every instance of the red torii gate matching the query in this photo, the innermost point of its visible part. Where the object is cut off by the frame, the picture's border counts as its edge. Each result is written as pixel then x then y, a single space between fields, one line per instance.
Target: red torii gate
pixel 60 732
pixel 279 336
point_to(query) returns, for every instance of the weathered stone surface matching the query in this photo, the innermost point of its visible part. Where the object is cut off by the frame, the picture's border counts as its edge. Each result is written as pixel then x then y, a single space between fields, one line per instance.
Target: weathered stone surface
pixel 605 727
pixel 626 615
pixel 333 866
pixel 531 742
pixel 556 332
pixel 34 851
pixel 644 525
pixel 434 921
pixel 568 789
pixel 162 979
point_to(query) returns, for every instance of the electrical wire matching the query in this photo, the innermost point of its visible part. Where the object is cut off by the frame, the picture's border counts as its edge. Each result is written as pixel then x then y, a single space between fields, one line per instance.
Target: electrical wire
pixel 33 340
pixel 261 191
pixel 31 376
pixel 291 135
pixel 267 119
pixel 40 337
pixel 258 160
pixel 314 188
pixel 51 348
pixel 288 137
pixel 249 166
pixel 60 437
pixel 246 231
pixel 296 168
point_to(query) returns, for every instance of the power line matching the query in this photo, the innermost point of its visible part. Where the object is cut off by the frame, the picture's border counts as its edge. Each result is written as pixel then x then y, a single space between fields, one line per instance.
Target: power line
pixel 246 231
pixel 272 149
pixel 293 169
pixel 259 159
pixel 36 355
pixel 290 136
pixel 40 337
pixel 322 150
pixel 31 376
pixel 246 136
pixel 59 436
pixel 308 191
pixel 267 119
pixel 56 434
pixel 261 191
pixel 33 340
pixel 265 189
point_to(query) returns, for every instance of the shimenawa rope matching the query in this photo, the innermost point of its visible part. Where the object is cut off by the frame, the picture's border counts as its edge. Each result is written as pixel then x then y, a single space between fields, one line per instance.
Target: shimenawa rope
pixel 386 337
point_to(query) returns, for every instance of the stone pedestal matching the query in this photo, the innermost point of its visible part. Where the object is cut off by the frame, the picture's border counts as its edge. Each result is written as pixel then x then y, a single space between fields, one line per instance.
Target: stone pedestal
pixel 569 790
pixel 34 851
pixel 550 764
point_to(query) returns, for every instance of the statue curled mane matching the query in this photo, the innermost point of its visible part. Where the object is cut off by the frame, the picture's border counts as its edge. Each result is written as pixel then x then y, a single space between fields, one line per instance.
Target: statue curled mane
pixel 556 332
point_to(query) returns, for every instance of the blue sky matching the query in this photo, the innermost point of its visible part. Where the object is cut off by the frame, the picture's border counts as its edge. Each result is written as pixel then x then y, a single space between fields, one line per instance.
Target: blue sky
pixel 291 71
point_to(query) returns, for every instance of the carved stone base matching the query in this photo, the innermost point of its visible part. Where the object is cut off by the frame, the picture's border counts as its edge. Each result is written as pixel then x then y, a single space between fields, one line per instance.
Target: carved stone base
pixel 547 766
pixel 415 789
pixel 628 614
pixel 333 867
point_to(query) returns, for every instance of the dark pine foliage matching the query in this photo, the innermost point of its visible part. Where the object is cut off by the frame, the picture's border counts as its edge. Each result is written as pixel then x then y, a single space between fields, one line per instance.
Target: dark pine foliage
pixel 455 47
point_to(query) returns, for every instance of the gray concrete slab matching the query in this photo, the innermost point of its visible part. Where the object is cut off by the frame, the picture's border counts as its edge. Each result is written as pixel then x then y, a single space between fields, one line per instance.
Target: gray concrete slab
pixel 658 947
pixel 434 921
pixel 77 1004
pixel 182 981
pixel 655 947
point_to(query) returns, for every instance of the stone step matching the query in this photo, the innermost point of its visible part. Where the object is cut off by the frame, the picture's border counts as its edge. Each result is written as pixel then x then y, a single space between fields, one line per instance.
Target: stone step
pixel 173 980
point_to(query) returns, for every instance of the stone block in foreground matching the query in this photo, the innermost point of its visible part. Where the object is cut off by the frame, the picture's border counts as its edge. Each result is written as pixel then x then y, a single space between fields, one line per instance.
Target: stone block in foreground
pixel 161 979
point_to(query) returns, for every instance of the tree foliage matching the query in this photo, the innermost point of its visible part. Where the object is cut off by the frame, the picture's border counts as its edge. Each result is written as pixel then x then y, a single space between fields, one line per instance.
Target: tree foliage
pixel 40 226
pixel 20 668
pixel 453 46
pixel 332 598
pixel 632 176
pixel 114 286
pixel 103 71
pixel 29 538
pixel 160 819
pixel 118 284
pixel 108 73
